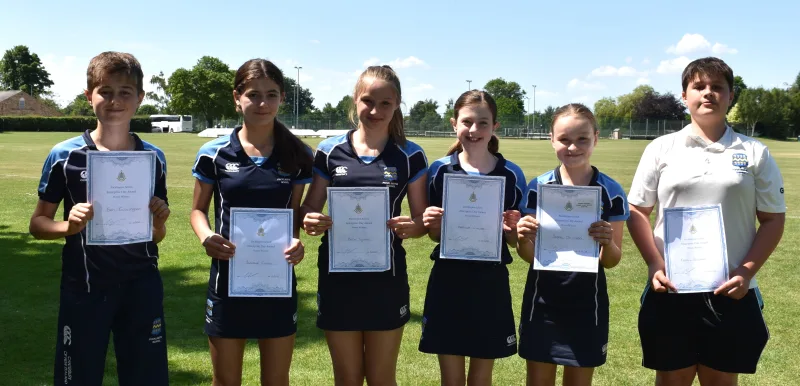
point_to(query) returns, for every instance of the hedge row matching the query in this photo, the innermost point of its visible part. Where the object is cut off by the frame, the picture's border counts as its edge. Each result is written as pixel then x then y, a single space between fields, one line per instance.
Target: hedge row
pixel 74 124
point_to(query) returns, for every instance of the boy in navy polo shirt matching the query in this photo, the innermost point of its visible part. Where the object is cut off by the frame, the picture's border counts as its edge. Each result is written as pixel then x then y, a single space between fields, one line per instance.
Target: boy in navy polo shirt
pixel 105 288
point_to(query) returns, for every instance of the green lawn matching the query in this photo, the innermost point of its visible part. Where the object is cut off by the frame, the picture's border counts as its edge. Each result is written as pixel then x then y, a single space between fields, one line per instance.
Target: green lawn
pixel 30 274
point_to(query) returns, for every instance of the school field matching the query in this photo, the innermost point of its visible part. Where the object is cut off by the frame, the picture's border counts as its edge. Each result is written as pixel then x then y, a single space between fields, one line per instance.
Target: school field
pixel 30 274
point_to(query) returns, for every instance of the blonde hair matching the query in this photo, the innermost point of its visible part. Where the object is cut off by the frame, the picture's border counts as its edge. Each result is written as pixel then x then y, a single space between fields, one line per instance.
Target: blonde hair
pixel 387 74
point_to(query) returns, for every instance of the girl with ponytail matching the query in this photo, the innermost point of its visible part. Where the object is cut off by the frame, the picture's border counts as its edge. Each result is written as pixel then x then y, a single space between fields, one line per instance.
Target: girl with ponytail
pixel 468 310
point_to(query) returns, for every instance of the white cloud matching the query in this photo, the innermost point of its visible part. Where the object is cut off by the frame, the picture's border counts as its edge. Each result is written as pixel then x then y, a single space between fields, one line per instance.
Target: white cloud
pixel 314 41
pixel 423 86
pixel 577 83
pixel 720 48
pixel 628 59
pixel 581 99
pixel 673 65
pixel 646 61
pixel 642 80
pixel 411 61
pixel 613 71
pixel 690 43
pixel 373 61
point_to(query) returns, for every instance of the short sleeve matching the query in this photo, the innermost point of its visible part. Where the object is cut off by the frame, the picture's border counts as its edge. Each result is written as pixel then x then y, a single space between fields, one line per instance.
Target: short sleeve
pixel 769 184
pixel 417 162
pixel 435 182
pixel 321 164
pixel 528 204
pixel 519 187
pixel 204 168
pixel 619 211
pixel 304 173
pixel 644 188
pixel 52 184
pixel 161 177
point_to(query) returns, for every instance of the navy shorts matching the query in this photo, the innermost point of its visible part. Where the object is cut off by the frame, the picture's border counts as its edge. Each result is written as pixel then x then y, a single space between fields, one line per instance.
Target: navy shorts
pixel 133 312
pixel 468 311
pixel 683 330
pixel 250 317
pixel 368 301
pixel 558 328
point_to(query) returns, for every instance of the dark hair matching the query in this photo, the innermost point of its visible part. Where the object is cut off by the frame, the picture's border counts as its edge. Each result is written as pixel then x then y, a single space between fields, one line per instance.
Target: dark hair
pixel 575 109
pixel 387 74
pixel 707 66
pixel 291 152
pixel 112 63
pixel 476 98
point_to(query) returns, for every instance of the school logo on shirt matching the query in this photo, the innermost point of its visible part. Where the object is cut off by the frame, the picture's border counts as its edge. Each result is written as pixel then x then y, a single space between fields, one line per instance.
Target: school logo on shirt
pixel 209 307
pixel 232 167
pixel 283 173
pixel 390 173
pixel 403 311
pixel 605 349
pixel 739 161
pixel 294 318
pixel 83 175
pixel 340 171
pixel 67 336
pixel 156 332
pixel 511 340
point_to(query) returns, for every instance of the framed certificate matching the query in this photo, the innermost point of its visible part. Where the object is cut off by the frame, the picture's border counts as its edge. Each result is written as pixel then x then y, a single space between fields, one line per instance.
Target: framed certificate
pixel 472 223
pixel 695 250
pixel 259 267
pixel 360 239
pixel 565 214
pixel 119 186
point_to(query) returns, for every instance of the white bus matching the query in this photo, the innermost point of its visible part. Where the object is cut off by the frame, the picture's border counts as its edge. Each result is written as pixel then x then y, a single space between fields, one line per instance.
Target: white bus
pixel 171 123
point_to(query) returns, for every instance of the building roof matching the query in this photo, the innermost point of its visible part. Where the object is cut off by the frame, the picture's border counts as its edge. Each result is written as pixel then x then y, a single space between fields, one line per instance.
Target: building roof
pixel 8 94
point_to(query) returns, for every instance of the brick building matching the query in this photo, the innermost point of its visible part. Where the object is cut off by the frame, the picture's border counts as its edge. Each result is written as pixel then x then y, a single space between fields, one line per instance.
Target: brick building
pixel 17 103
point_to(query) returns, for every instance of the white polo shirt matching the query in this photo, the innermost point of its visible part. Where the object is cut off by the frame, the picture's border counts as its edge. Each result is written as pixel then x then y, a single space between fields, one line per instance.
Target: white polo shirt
pixel 738 172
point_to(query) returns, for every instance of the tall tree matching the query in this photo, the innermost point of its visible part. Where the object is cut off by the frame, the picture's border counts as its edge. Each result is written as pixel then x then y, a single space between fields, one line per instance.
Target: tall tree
pixel 147 109
pixel 306 104
pixel 627 103
pixel 753 108
pixel 738 87
pixel 514 106
pixel 547 118
pixel 423 115
pixel 204 91
pixel 659 106
pixel 22 70
pixel 605 108
pixel 161 96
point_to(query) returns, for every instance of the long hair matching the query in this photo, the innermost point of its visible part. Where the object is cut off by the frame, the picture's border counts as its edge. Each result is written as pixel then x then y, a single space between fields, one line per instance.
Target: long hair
pixel 290 151
pixel 387 74
pixel 574 109
pixel 476 98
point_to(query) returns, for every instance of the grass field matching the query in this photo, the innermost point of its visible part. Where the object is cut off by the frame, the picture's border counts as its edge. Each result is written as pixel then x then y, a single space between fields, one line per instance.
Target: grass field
pixel 30 274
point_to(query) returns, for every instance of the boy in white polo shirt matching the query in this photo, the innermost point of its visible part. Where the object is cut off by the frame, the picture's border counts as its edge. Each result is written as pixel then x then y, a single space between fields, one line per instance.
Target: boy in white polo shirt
pixel 714 336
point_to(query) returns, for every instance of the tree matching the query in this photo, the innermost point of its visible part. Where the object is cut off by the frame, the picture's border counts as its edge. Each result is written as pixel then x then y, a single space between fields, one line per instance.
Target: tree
pixel 659 106
pixel 306 100
pixel 449 112
pixel 753 107
pixel 161 100
pixel 514 105
pixel 738 87
pixel 147 109
pixel 22 70
pixel 423 115
pixel 204 91
pixel 343 111
pixel 627 103
pixel 79 107
pixel 47 101
pixel 547 118
pixel 605 108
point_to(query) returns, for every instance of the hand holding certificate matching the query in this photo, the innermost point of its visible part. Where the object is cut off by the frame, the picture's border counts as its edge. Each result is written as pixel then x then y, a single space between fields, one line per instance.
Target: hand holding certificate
pixel 359 239
pixel 120 185
pixel 472 224
pixel 259 267
pixel 695 251
pixel 565 214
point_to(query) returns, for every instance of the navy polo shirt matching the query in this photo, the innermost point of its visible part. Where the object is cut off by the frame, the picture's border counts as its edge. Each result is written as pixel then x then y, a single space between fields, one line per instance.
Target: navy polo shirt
pixel 514 186
pixel 395 167
pixel 87 267
pixel 581 290
pixel 241 181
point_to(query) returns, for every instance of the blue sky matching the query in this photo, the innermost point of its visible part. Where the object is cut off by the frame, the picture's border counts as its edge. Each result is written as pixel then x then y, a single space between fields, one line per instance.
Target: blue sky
pixel 576 51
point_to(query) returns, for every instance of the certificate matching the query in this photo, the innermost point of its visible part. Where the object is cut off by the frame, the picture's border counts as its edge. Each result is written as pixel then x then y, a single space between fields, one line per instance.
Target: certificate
pixel 259 267
pixel 359 240
pixel 120 185
pixel 472 223
pixel 695 252
pixel 565 214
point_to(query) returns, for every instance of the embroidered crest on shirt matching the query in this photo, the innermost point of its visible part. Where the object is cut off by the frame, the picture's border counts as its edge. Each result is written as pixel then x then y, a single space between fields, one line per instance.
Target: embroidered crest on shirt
pixel 739 162
pixel 390 173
